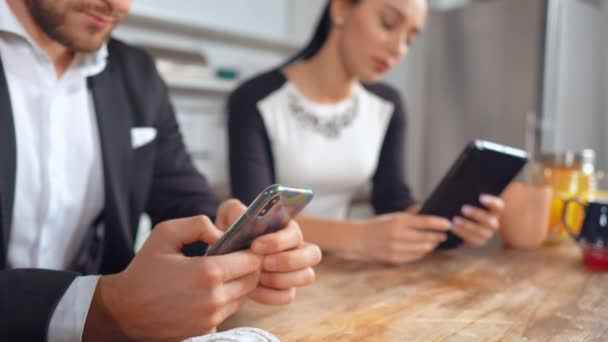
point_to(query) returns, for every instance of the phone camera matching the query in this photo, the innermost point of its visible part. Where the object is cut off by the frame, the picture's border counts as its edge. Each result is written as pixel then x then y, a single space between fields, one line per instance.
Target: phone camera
pixel 269 206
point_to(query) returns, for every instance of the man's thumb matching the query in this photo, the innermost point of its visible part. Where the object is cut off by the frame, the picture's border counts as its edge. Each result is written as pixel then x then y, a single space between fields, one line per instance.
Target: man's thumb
pixel 181 232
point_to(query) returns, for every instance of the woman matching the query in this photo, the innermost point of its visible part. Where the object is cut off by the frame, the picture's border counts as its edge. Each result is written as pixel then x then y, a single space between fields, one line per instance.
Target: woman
pixel 323 121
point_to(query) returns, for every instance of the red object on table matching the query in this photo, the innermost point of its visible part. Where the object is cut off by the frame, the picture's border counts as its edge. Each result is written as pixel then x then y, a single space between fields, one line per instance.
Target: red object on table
pixel 596 259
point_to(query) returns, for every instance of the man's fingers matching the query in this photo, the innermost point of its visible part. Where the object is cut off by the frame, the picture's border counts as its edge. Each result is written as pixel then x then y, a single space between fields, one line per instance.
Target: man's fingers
pixel 287 238
pixel 287 280
pixel 413 209
pixel 240 287
pixel 216 318
pixel 175 234
pixel 228 212
pixel 226 267
pixel 306 256
pixel 268 296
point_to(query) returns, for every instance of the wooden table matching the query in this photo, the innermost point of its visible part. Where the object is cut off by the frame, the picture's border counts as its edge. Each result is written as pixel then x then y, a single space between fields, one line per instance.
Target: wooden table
pixel 489 294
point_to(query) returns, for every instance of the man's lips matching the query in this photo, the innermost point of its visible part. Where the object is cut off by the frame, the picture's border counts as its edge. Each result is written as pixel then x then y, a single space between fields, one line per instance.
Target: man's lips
pixel 98 20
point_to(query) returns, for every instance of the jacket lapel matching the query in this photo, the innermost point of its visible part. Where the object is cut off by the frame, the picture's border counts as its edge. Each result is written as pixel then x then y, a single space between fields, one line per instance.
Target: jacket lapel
pixel 114 122
pixel 8 162
pixel 112 108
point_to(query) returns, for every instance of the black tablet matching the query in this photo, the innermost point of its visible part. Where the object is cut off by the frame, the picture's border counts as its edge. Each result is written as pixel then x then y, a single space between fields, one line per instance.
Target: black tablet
pixel 483 167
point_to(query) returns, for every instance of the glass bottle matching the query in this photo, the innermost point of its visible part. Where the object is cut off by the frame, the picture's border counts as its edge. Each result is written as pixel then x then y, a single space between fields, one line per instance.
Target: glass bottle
pixel 570 174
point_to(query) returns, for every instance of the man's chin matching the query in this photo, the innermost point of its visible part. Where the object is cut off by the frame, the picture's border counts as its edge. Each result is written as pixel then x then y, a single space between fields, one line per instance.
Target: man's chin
pixel 86 45
pixel 88 49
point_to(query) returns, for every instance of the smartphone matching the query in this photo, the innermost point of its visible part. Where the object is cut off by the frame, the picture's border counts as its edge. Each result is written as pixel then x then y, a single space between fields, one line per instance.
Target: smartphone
pixel 483 167
pixel 268 213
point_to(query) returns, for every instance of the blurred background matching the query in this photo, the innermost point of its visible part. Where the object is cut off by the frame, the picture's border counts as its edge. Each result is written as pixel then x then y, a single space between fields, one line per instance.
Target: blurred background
pixel 528 73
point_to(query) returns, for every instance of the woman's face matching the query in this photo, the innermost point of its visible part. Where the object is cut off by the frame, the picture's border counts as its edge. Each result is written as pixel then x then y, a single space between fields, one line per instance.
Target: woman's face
pixel 376 34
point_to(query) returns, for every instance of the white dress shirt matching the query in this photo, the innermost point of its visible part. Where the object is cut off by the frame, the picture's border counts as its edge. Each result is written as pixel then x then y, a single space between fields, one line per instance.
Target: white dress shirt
pixel 59 180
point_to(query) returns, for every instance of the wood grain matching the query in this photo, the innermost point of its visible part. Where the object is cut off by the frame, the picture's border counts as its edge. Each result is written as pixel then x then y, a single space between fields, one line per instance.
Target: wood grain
pixel 491 294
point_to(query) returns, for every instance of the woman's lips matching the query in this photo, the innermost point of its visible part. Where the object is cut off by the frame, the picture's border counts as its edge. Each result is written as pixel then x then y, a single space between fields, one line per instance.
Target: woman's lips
pixel 381 65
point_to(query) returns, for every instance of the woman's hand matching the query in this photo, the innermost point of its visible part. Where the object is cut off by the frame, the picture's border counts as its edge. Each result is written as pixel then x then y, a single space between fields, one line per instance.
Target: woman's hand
pixel 398 238
pixel 477 225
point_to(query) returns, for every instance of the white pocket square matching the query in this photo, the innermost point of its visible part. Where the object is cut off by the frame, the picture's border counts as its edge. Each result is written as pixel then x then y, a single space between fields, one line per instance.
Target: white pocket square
pixel 141 136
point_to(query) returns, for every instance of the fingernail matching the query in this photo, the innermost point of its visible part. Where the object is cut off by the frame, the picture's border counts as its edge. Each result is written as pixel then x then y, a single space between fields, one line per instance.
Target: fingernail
pixel 467 209
pixel 485 199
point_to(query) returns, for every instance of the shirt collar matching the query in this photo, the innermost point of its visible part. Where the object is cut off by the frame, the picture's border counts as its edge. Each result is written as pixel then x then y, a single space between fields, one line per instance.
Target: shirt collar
pixel 90 64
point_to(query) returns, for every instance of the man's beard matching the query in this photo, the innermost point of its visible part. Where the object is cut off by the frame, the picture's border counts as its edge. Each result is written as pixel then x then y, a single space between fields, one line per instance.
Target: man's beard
pixel 53 22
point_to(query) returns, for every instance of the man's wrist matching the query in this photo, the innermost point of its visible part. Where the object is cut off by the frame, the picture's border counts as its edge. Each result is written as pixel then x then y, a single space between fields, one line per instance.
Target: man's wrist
pixel 101 324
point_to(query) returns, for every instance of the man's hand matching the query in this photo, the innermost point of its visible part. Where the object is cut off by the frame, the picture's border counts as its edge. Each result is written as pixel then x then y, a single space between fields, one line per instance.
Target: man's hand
pixel 163 295
pixel 288 259
pixel 287 265
pixel 228 212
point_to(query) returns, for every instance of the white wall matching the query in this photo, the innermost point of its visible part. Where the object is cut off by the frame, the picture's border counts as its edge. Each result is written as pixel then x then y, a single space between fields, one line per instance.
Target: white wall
pixel 266 18
pixel 576 78
pixel 303 15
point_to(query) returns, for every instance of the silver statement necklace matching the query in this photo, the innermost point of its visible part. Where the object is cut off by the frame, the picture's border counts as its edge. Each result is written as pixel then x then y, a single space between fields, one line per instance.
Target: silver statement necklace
pixel 330 127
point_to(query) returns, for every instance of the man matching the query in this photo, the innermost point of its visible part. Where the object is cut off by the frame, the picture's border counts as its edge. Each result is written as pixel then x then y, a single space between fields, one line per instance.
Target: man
pixel 89 141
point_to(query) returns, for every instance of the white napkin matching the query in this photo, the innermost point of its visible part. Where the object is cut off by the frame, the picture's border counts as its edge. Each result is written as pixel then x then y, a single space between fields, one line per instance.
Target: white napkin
pixel 237 335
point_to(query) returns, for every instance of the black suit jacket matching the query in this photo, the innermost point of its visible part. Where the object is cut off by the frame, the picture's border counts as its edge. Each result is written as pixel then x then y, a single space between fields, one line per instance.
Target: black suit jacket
pixel 158 178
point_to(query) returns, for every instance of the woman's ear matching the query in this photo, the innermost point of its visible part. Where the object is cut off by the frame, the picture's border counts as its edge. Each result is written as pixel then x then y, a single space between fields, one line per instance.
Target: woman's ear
pixel 339 11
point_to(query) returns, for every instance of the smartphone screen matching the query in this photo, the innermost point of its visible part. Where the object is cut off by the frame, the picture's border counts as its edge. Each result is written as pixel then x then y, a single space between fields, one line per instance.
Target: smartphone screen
pixel 268 213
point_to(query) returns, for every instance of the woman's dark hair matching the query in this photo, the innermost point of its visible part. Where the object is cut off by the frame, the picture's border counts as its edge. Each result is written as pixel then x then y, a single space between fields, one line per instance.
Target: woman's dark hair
pixel 319 37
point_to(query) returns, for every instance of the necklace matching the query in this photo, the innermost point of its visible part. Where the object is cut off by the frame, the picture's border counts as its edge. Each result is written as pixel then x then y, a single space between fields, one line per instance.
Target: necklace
pixel 328 127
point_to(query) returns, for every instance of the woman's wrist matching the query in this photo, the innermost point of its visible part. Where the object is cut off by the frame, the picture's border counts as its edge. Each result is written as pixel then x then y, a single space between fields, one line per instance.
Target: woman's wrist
pixel 355 239
pixel 340 236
